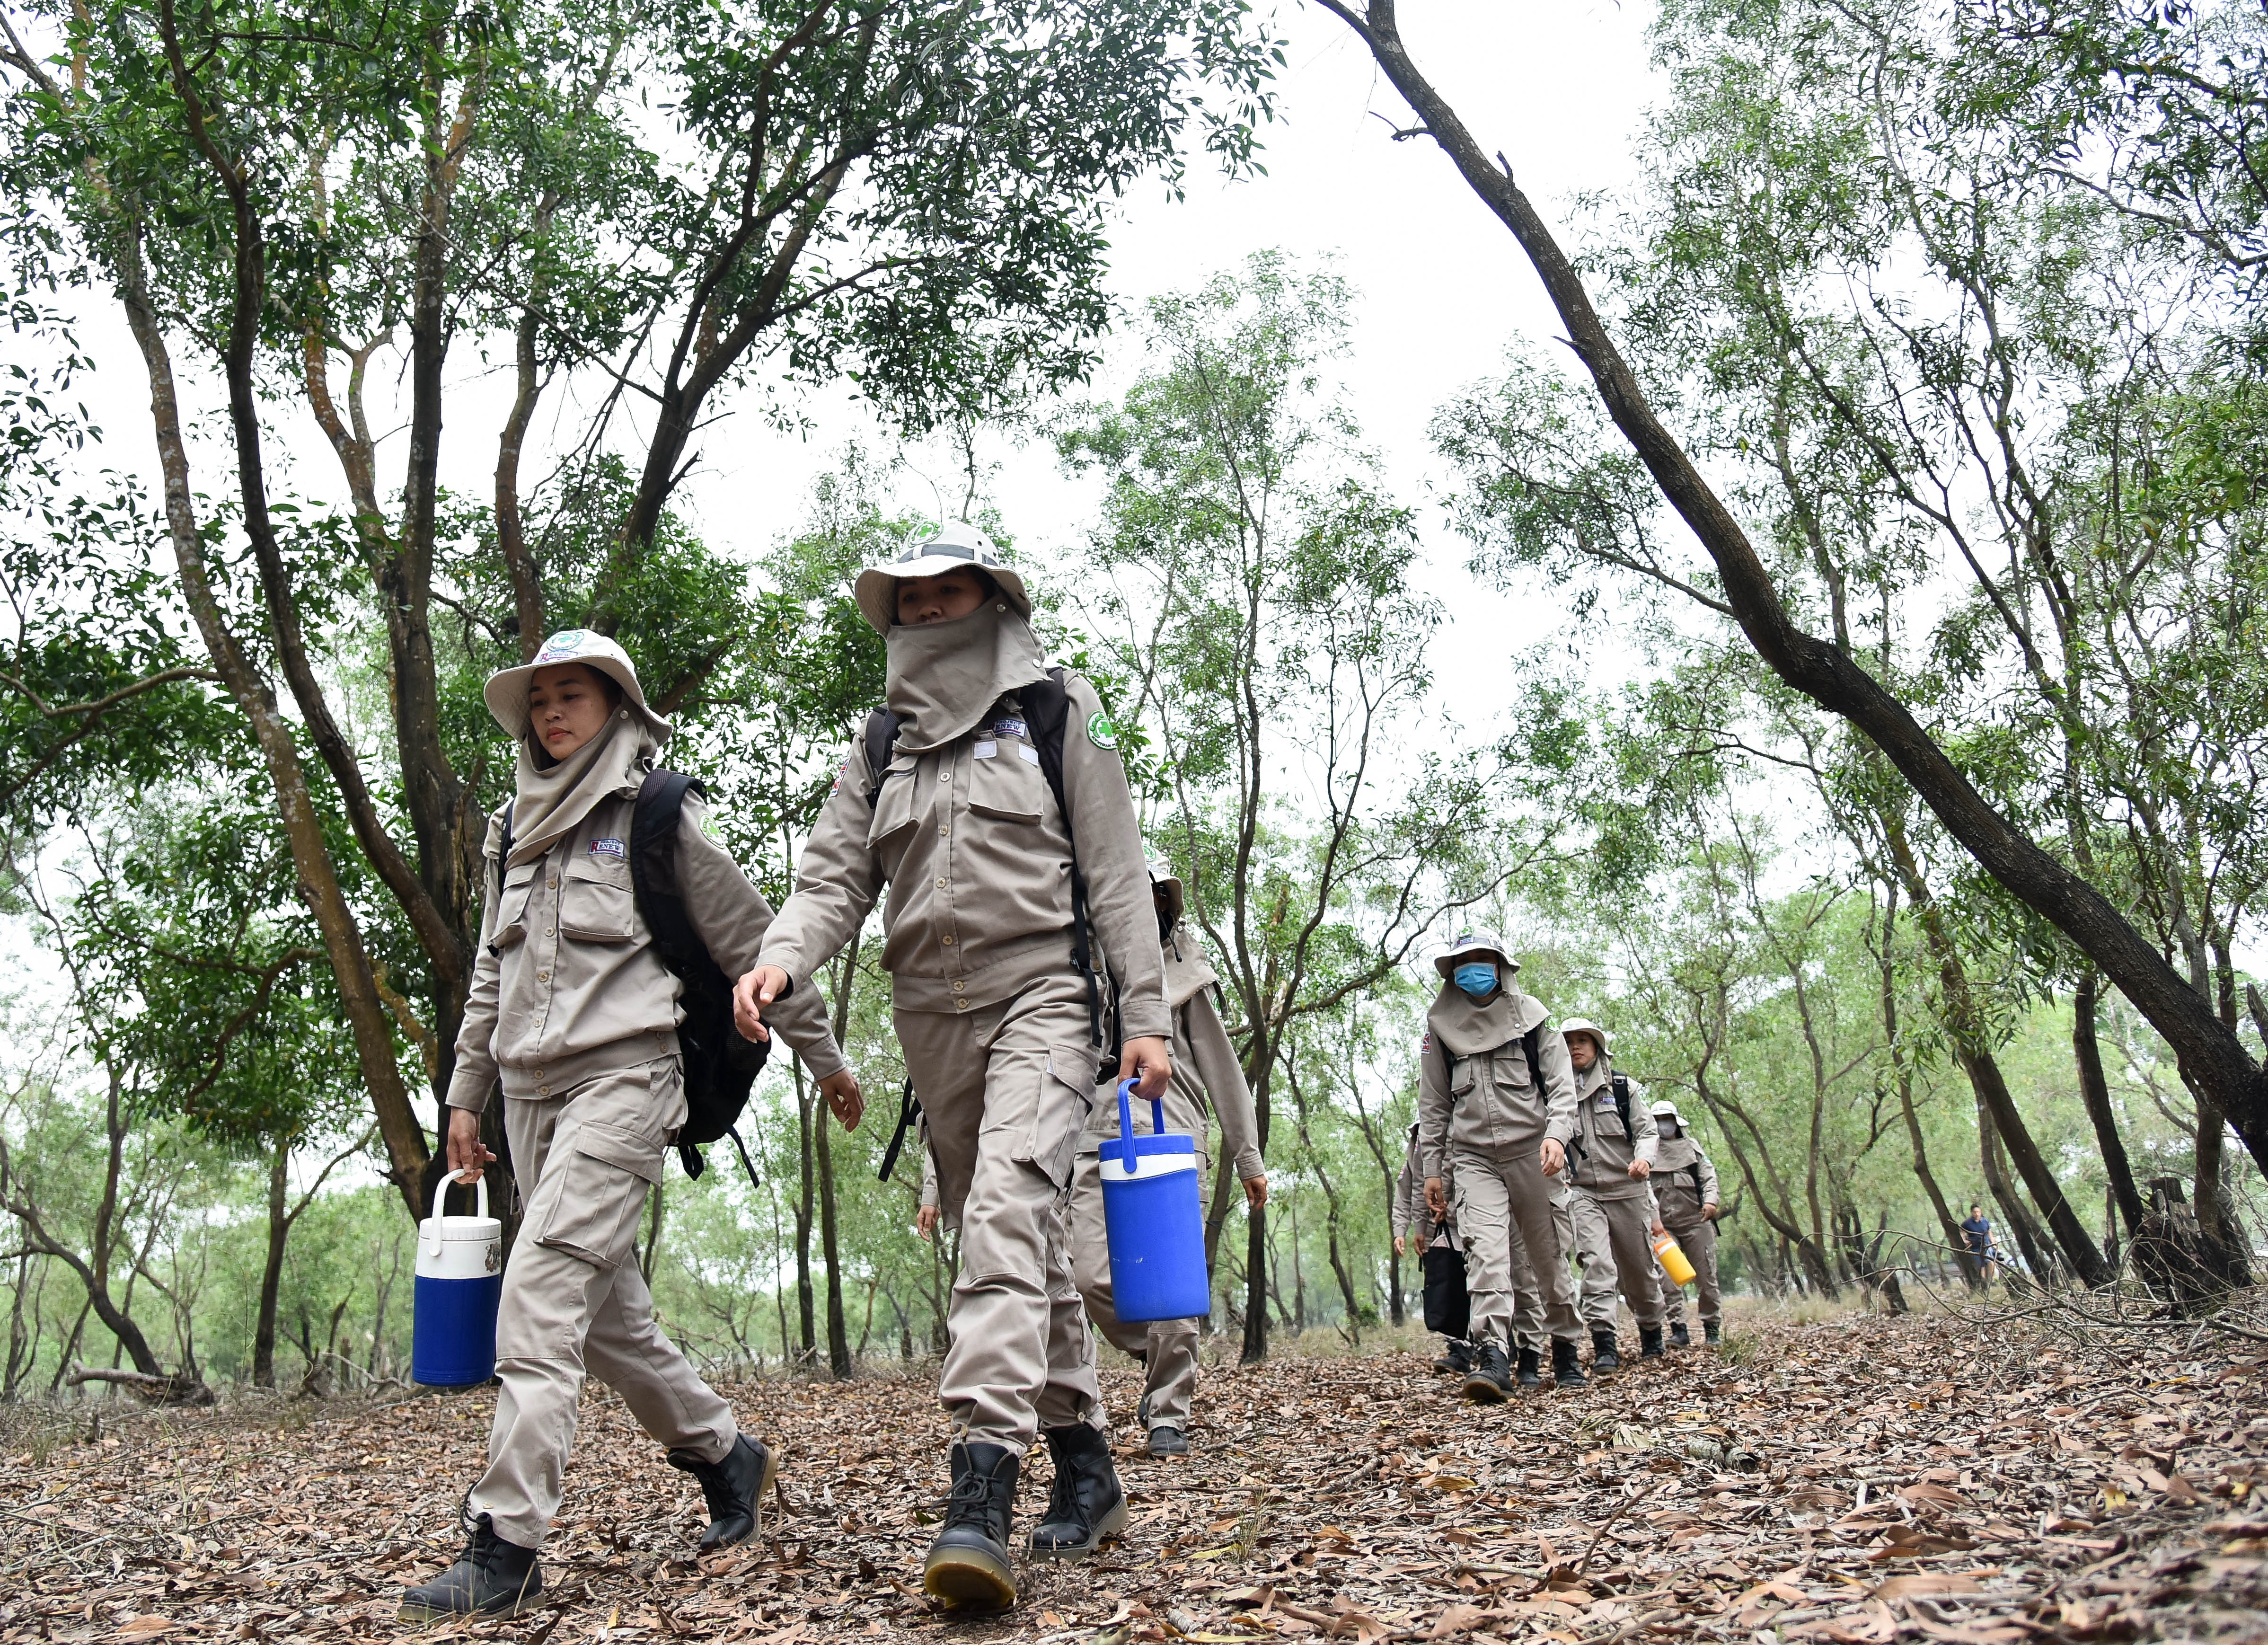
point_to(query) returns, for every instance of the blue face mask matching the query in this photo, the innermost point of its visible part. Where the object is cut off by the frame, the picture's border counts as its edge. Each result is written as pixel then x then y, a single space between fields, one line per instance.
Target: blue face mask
pixel 1477 979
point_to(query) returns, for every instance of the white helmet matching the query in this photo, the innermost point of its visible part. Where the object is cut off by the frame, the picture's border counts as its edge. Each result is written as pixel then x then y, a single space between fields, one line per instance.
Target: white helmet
pixel 506 690
pixel 1474 940
pixel 1584 1025
pixel 954 546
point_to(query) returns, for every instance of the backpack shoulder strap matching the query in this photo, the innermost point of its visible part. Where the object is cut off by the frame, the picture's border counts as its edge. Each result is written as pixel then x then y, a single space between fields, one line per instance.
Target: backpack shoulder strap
pixel 1531 1046
pixel 655 821
pixel 1621 1084
pixel 503 847
pixel 1046 710
pixel 881 740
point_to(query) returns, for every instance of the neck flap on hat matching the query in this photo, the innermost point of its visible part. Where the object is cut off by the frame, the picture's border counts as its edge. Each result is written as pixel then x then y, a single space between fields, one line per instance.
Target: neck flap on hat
pixel 1469 1027
pixel 945 676
pixel 552 800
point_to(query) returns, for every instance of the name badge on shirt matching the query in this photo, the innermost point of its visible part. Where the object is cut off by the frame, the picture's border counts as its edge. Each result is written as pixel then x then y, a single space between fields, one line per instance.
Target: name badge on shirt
pixel 1009 726
pixel 612 850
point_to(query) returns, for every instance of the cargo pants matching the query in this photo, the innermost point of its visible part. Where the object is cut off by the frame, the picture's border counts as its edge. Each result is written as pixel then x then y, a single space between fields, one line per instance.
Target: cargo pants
pixel 1614 1240
pixel 573 1299
pixel 1004 1090
pixel 1698 1237
pixel 1168 1348
pixel 1496 1192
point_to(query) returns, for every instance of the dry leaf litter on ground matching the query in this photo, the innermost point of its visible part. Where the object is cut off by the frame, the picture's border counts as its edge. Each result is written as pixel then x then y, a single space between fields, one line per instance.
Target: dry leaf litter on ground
pixel 1864 1480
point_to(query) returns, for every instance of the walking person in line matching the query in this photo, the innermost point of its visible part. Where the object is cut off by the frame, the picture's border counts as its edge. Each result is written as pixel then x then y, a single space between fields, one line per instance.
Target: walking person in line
pixel 1496 1104
pixel 1417 1232
pixel 572 1010
pixel 990 799
pixel 1685 1206
pixel 1608 1204
pixel 1207 1079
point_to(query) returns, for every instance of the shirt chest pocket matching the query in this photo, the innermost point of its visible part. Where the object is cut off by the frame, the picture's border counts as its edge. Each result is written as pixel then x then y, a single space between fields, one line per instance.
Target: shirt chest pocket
pixel 894 804
pixel 1609 1120
pixel 512 906
pixel 1508 1065
pixel 596 903
pixel 1007 785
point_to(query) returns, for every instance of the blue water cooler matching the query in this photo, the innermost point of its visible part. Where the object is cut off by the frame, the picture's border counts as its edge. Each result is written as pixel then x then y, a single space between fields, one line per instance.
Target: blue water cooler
pixel 1152 1215
pixel 459 1281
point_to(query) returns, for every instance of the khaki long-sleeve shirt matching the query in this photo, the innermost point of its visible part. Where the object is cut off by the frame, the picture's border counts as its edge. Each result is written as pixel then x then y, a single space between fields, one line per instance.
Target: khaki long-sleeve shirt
pixel 1412 1219
pixel 1604 1149
pixel 1474 1088
pixel 978 856
pixel 566 983
pixel 1683 1179
pixel 1207 1076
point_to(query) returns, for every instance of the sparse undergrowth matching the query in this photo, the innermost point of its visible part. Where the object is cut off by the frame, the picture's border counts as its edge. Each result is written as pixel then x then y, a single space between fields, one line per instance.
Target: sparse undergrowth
pixel 1855 1479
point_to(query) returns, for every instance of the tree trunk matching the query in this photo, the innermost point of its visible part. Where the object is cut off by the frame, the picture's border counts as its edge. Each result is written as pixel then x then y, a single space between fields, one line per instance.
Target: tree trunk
pixel 838 1334
pixel 2095 1089
pixel 807 1313
pixel 271 1273
pixel 2030 1242
pixel 2209 1050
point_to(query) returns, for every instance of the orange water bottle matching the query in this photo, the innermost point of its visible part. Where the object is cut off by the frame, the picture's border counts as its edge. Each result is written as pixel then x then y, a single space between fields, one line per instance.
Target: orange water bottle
pixel 1673 1259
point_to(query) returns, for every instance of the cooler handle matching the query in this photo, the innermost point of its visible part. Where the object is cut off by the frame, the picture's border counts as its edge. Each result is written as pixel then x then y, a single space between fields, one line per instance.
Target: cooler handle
pixel 441 1203
pixel 1126 1117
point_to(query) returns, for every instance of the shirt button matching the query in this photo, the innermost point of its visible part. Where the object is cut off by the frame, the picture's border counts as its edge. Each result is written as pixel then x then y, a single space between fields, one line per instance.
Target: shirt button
pixel 553 881
pixel 944 777
pixel 943 828
pixel 543 977
pixel 547 931
pixel 948 938
pixel 961 1004
pixel 957 987
pixel 941 884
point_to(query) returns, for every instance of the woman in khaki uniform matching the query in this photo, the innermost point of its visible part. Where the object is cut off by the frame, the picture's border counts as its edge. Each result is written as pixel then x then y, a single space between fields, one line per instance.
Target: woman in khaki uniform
pixel 1496 1104
pixel 573 1011
pixel 1002 1028
pixel 1207 1079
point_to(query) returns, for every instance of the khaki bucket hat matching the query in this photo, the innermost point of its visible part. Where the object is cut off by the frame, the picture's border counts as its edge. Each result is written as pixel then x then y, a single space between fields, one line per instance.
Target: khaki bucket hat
pixel 954 546
pixel 506 690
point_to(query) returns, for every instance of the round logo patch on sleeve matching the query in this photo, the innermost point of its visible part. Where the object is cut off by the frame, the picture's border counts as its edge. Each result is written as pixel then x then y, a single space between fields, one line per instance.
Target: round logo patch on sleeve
pixel 1100 731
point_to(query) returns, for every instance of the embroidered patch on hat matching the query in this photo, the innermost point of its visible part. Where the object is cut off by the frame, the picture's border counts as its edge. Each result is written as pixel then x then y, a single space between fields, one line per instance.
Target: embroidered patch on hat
pixel 1100 731
pixel 613 849
pixel 567 642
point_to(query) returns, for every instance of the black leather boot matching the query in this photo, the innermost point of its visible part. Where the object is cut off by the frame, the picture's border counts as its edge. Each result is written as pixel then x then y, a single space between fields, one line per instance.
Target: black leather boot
pixel 1567 1364
pixel 1604 1357
pixel 491 1578
pixel 1649 1343
pixel 1490 1381
pixel 735 1489
pixel 1679 1337
pixel 1526 1370
pixel 1455 1360
pixel 1709 1332
pixel 967 1563
pixel 1168 1441
pixel 1086 1505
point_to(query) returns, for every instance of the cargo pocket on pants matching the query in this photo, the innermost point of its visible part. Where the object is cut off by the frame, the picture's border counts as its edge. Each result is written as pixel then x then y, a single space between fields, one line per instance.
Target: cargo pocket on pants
pixel 1065 1091
pixel 594 1211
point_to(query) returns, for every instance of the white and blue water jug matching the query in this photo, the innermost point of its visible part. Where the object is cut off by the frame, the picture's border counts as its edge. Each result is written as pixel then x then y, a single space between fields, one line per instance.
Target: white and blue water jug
pixel 460 1281
pixel 1153 1220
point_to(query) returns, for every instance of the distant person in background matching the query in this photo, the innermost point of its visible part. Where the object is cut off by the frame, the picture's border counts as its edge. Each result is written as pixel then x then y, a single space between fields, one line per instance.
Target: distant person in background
pixel 1684 1184
pixel 1979 1233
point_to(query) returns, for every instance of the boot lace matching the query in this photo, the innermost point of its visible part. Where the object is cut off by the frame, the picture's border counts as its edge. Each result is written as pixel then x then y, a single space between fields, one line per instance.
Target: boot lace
pixel 970 1500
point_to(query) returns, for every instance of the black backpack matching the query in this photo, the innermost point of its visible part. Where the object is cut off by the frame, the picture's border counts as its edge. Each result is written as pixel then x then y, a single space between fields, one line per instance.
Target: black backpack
pixel 1046 706
pixel 720 1067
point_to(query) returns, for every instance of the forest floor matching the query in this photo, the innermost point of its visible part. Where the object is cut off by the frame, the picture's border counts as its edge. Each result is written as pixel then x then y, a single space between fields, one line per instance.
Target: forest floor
pixel 1855 1478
